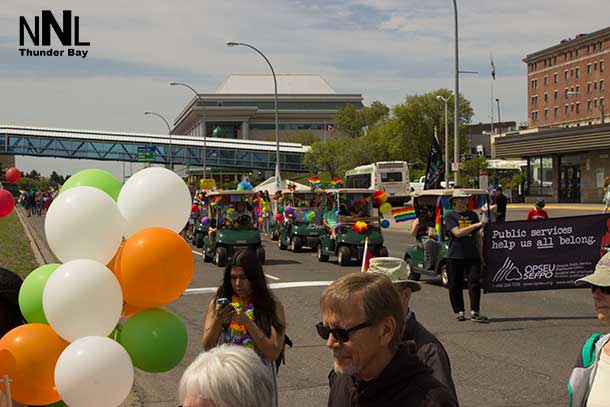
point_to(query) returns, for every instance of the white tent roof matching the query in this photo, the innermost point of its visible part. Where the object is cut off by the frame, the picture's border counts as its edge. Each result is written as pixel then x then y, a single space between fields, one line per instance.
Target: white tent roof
pixel 269 185
pixel 287 84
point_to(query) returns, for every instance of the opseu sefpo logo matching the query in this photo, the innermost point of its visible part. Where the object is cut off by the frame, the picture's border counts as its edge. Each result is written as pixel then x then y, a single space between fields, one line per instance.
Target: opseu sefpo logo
pixel 42 29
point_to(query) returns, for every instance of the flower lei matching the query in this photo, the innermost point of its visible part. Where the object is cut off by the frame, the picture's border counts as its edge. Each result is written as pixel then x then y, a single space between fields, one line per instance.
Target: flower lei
pixel 238 334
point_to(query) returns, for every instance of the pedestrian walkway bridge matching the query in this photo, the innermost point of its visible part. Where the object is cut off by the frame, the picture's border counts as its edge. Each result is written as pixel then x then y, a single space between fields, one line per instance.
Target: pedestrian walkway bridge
pixel 154 148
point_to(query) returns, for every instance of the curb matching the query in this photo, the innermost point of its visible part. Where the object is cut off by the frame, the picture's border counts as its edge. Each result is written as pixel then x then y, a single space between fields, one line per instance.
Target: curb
pixel 33 243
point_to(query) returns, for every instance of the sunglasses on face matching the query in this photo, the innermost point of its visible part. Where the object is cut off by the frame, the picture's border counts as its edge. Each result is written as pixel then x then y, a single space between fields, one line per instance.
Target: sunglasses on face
pixel 603 290
pixel 340 334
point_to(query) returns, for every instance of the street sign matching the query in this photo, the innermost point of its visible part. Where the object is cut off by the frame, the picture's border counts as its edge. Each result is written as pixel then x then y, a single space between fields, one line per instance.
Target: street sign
pixel 455 166
pixel 146 149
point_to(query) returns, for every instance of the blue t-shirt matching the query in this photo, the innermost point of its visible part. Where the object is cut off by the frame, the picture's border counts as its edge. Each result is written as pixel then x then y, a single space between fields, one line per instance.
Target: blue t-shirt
pixel 331 217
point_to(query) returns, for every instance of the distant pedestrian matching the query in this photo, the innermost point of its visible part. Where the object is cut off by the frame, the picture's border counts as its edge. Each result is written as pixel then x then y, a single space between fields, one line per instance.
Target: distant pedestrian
pixel 429 348
pixel 538 212
pixel 501 201
pixel 606 198
pixel 362 323
pixel 226 376
pixel 589 383
pixel 465 256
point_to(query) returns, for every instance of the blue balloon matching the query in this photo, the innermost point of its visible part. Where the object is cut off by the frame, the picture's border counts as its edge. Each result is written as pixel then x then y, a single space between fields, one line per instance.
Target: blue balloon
pixel 385 223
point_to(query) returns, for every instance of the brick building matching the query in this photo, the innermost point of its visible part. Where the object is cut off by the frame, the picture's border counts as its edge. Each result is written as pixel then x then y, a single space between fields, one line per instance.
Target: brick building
pixel 567 82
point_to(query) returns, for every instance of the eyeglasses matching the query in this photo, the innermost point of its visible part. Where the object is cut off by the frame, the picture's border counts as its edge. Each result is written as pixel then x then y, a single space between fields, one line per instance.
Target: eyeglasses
pixel 603 290
pixel 340 334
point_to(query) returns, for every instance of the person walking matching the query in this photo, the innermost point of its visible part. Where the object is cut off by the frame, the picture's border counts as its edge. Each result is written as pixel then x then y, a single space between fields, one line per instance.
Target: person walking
pixel 538 212
pixel 266 212
pixel 589 383
pixel 362 324
pixel 244 312
pixel 501 202
pixel 429 348
pixel 606 198
pixel 465 256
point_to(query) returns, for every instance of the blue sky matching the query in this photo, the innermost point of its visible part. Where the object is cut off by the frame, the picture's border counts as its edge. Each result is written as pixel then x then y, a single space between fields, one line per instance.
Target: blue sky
pixel 384 49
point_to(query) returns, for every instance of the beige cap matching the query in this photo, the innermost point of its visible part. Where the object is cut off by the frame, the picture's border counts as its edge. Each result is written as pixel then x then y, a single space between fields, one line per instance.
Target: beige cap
pixel 601 276
pixel 459 193
pixel 395 269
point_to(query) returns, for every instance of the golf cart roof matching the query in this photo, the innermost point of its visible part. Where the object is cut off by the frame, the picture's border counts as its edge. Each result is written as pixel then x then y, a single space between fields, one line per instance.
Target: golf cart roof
pixel 305 192
pixel 446 192
pixel 232 192
pixel 350 191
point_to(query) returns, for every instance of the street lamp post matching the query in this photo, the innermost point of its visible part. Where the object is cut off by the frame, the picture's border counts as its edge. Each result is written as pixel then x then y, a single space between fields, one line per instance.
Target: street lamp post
pixel 456 103
pixel 169 134
pixel 277 138
pixel 446 101
pixel 499 120
pixel 203 125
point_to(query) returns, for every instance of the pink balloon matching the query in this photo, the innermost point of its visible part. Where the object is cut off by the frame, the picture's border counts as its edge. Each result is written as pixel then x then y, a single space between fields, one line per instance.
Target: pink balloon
pixel 7 203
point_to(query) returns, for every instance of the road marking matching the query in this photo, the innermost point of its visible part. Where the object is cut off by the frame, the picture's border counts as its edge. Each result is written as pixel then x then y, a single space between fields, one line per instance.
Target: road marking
pixel 199 253
pixel 271 277
pixel 296 284
pixel 569 207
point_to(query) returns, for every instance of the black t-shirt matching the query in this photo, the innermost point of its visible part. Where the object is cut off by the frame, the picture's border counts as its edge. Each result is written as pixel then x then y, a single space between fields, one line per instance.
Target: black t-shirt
pixel 466 247
pixel 501 202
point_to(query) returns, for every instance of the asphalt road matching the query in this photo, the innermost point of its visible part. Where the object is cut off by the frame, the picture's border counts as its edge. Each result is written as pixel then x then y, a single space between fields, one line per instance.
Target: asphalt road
pixel 523 357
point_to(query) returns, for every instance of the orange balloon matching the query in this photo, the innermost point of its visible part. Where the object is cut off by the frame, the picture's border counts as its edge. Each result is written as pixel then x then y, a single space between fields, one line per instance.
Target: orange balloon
pixel 154 268
pixel 28 355
pixel 129 310
pixel 113 263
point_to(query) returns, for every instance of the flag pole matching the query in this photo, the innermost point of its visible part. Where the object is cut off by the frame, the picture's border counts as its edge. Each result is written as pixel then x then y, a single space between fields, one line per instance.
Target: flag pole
pixel 366 248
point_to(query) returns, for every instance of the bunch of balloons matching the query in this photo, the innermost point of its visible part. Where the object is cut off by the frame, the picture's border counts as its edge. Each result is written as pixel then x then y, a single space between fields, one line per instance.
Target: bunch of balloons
pixel 7 202
pixel 309 216
pixel 385 208
pixel 121 256
pixel 13 175
pixel 244 186
pixel 380 197
pixel 360 227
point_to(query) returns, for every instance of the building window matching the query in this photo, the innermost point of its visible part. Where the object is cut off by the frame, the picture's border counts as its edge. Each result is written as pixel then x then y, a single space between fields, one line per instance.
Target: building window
pixel 595 103
pixel 576 52
pixel 534 116
pixel 588 106
pixel 588 50
pixel 594 47
pixel 571 107
pixel 546 114
pixel 546 80
pixel 556 112
pixel 577 107
pixel 540 176
pixel 577 72
pixel 589 88
pixel 572 72
pixel 595 66
pixel 595 85
pixel 534 101
pixel 588 69
pixel 566 93
pixel 546 98
pixel 555 77
pixel 601 85
pixel 601 103
pixel 565 74
pixel 567 108
pixel 601 66
pixel 555 96
pixel 578 89
pixel 601 45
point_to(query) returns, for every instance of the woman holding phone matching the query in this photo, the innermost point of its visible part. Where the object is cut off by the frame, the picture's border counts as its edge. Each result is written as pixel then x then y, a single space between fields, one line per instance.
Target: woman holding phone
pixel 245 312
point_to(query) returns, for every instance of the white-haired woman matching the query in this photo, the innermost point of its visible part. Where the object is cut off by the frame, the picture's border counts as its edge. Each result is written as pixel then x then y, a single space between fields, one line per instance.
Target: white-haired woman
pixel 226 376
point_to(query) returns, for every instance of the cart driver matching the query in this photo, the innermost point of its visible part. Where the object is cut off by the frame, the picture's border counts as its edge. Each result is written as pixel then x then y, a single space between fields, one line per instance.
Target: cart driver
pixel 423 229
pixel 330 219
pixel 241 216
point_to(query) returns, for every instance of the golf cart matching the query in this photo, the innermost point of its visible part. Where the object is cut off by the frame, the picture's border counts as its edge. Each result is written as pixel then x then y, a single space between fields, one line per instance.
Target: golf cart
pixel 354 205
pixel 200 230
pixel 424 200
pixel 302 227
pixel 234 230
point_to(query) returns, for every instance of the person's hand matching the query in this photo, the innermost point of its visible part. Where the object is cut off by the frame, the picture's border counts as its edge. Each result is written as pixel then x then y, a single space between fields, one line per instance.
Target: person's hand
pixel 240 317
pixel 224 312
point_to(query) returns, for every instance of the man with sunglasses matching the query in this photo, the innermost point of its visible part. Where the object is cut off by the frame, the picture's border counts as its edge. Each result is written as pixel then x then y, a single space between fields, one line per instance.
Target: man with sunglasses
pixel 589 383
pixel 363 325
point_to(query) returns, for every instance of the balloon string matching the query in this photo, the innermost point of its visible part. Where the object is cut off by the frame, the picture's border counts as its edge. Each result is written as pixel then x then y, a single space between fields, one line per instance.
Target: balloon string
pixel 7 387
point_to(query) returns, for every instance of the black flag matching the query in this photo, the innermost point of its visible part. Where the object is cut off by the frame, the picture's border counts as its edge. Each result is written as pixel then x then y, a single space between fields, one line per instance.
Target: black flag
pixel 435 170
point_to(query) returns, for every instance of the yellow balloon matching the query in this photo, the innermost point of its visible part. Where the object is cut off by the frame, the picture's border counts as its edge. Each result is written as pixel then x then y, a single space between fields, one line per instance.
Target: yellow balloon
pixel 385 208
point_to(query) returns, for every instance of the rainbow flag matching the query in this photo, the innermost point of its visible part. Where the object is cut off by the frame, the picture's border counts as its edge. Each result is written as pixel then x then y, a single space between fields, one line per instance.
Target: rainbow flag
pixel 404 214
pixel 336 182
pixel 313 180
pixel 438 221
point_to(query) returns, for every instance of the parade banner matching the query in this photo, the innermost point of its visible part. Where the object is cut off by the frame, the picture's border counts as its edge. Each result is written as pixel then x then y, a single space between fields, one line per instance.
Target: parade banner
pixel 544 254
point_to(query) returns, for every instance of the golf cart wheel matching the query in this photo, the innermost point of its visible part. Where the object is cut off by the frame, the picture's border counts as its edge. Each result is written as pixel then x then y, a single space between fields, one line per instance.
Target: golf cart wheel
pixel 199 240
pixel 220 256
pixel 296 244
pixel 206 258
pixel 344 256
pixel 281 245
pixel 275 235
pixel 383 252
pixel 443 272
pixel 321 256
pixel 260 254
pixel 411 275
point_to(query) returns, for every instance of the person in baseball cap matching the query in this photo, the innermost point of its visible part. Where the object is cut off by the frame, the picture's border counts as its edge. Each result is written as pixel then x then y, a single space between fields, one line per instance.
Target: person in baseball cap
pixel 429 348
pixel 589 381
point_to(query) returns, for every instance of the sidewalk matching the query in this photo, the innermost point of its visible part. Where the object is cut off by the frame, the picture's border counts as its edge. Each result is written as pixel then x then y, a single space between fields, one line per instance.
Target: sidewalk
pixel 568 206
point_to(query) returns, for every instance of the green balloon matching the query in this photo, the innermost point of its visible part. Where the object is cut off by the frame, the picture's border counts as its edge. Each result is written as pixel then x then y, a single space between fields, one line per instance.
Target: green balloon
pixel 94 178
pixel 156 340
pixel 30 294
pixel 60 403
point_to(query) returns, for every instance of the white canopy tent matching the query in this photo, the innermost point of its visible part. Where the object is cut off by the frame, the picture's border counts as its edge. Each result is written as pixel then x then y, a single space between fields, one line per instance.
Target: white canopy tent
pixel 269 185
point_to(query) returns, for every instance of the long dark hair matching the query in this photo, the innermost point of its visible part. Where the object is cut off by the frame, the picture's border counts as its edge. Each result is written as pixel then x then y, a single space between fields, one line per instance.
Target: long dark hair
pixel 263 300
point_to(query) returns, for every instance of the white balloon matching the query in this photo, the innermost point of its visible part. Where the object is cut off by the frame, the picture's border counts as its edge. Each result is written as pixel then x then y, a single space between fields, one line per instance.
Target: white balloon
pixel 152 197
pixel 94 372
pixel 84 223
pixel 82 298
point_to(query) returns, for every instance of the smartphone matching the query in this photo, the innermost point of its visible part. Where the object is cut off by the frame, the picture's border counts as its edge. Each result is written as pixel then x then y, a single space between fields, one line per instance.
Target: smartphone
pixel 222 301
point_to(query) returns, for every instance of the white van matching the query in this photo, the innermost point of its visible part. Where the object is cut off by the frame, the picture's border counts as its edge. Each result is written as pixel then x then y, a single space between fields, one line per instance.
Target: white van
pixel 389 176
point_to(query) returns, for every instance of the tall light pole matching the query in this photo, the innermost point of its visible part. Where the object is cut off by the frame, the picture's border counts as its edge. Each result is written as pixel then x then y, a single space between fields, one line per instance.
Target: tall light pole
pixel 203 125
pixel 277 138
pixel 499 120
pixel 456 104
pixel 446 101
pixel 169 134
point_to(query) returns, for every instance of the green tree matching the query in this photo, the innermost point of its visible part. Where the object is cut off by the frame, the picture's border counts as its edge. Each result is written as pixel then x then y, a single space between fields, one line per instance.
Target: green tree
pixel 328 157
pixel 27 183
pixel 351 120
pixel 470 169
pixel 417 117
pixel 56 179
pixel 305 137
pixel 33 174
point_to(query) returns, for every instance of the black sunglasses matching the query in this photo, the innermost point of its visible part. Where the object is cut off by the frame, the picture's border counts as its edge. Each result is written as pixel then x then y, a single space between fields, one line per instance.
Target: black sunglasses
pixel 340 334
pixel 603 290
